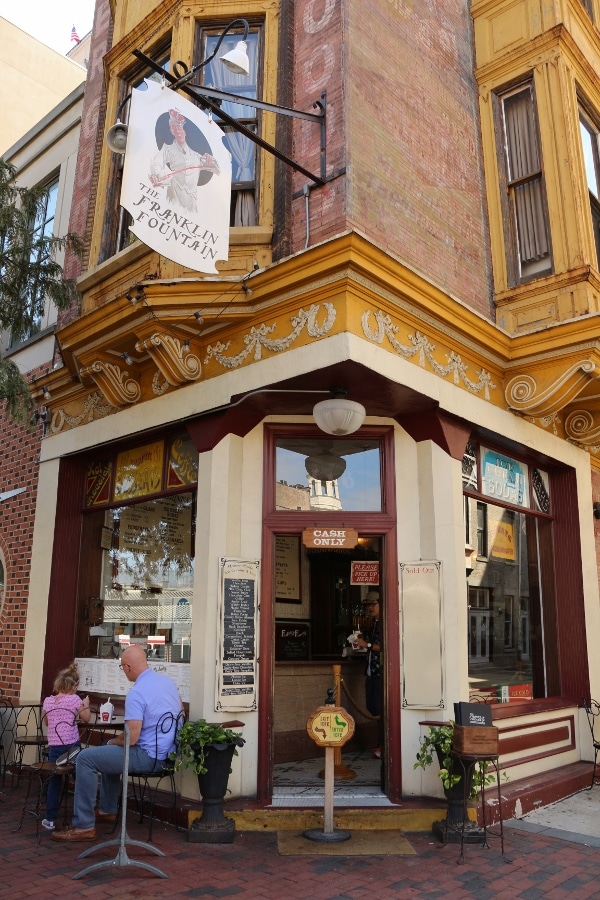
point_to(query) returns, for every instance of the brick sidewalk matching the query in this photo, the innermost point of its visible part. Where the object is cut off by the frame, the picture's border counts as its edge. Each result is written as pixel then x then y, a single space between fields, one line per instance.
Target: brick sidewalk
pixel 252 867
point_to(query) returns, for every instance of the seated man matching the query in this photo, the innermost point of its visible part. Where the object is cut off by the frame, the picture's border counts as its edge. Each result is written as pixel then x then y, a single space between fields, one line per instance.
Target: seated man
pixel 151 696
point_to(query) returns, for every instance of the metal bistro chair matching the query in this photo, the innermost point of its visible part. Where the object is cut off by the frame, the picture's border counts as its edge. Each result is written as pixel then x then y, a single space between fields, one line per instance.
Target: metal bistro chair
pixel 7 717
pixel 592 711
pixel 42 772
pixel 146 785
pixel 28 733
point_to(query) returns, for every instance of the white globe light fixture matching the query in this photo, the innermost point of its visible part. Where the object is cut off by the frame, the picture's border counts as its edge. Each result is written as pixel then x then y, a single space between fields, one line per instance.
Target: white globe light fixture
pixel 339 416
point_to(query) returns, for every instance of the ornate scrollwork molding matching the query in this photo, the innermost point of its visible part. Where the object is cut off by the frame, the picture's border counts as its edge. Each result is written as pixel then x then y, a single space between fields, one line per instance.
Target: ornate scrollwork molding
pixel 93 408
pixel 525 394
pixel 176 363
pixel 421 347
pixel 258 337
pixel 582 427
pixel 115 383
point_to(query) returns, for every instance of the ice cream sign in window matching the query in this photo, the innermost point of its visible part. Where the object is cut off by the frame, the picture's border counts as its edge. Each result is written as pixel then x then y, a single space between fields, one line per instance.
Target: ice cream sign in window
pixel 504 478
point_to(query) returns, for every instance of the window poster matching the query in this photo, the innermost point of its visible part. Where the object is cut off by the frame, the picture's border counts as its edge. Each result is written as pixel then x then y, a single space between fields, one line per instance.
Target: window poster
pixel 139 471
pixel 287 568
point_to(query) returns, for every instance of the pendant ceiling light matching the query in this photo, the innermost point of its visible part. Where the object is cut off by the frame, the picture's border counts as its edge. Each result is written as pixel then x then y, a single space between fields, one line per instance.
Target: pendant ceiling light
pixel 325 466
pixel 338 415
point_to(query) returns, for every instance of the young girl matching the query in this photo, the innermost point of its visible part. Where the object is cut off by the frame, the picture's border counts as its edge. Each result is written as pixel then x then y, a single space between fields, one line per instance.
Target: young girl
pixel 61 712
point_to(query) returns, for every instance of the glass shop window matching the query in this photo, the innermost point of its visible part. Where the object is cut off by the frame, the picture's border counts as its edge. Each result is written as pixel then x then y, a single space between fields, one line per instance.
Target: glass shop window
pixel 148 577
pixel 137 553
pixel 511 621
pixel 314 475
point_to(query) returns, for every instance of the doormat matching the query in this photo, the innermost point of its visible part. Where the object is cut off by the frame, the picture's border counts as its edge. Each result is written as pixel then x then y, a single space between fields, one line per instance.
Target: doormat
pixel 361 843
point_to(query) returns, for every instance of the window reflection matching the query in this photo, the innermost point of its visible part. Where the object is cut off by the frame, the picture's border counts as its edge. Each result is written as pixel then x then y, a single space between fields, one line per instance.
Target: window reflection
pixel 324 475
pixel 148 578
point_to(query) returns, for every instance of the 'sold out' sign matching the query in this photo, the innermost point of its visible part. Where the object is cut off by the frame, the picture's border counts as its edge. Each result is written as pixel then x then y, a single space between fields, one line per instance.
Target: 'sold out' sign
pixel 330 537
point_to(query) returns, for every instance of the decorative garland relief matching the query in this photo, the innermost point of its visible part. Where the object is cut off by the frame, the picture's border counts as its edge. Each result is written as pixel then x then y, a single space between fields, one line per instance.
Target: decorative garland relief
pixel 258 340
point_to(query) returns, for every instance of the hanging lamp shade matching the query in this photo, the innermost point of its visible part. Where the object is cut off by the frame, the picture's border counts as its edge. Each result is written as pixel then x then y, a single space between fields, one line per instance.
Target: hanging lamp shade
pixel 339 416
pixel 237 59
pixel 325 466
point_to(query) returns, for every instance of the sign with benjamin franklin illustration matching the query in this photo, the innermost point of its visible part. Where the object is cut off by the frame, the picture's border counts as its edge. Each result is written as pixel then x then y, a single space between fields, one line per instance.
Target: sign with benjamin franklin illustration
pixel 177 179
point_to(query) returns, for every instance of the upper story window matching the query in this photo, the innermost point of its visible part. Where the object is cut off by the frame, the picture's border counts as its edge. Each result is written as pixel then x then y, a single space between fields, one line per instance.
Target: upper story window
pixel 524 200
pixel 41 227
pixel 243 150
pixel 589 6
pixel 589 142
pixel 122 235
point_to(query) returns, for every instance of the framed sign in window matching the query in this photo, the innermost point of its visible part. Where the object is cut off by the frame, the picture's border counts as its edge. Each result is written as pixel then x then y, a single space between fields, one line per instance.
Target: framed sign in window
pixel 287 568
pixel 292 640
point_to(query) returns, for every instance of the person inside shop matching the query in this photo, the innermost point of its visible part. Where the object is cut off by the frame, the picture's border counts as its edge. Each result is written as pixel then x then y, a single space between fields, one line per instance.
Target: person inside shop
pixel 373 645
pixel 151 696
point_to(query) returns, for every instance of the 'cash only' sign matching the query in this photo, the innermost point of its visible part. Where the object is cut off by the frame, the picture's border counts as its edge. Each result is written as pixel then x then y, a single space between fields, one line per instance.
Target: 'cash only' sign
pixel 177 179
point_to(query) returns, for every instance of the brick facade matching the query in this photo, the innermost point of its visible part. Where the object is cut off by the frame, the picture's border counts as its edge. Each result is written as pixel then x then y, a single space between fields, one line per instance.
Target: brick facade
pixel 90 145
pixel 18 469
pixel 408 161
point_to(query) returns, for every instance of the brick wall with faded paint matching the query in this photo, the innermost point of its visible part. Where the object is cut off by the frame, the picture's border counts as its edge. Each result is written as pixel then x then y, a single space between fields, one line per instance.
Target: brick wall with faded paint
pixel 90 146
pixel 401 93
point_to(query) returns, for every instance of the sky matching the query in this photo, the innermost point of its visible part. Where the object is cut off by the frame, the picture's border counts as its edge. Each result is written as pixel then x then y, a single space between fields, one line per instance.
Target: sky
pixel 51 21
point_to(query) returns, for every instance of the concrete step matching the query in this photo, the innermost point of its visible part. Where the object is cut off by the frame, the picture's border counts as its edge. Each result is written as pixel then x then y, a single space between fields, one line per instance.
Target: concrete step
pixel 414 814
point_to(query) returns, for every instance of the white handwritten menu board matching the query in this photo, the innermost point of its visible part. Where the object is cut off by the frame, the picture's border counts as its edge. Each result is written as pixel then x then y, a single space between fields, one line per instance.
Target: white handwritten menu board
pixel 103 676
pixel 237 649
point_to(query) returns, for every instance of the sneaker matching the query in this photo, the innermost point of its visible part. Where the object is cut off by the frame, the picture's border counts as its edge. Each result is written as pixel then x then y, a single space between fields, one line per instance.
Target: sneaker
pixel 47 824
pixel 377 753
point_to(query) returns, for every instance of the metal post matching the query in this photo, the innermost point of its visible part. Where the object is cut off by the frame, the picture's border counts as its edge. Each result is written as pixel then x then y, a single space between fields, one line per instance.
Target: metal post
pixel 121 859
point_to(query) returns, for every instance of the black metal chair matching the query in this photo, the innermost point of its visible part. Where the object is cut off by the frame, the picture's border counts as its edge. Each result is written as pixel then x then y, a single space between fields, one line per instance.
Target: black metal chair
pixel 41 772
pixel 27 733
pixel 7 716
pixel 146 785
pixel 592 711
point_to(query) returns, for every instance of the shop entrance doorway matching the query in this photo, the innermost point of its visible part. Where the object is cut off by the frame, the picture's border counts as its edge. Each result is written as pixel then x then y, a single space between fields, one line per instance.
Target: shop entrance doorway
pixel 312 654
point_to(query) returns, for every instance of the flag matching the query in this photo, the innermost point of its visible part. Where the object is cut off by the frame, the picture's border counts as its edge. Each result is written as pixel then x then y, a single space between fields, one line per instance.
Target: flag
pixel 74 36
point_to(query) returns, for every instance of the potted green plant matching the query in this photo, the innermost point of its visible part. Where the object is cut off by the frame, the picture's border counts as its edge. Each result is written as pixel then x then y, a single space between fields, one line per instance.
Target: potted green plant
pixel 437 742
pixel 208 749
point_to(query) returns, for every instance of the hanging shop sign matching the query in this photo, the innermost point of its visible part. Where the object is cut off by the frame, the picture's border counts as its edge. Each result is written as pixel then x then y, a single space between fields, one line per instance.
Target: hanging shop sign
pixel 503 478
pixel 177 179
pixel 330 537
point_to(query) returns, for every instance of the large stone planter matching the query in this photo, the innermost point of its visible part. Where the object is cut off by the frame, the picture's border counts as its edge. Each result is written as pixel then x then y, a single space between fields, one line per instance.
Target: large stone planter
pixel 213 827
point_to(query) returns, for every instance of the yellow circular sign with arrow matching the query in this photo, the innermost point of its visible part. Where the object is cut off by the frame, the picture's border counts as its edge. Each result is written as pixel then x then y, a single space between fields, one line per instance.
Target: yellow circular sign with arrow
pixel 330 726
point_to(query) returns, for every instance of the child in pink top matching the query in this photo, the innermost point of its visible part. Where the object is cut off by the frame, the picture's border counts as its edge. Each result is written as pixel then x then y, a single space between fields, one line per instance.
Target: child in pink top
pixel 61 713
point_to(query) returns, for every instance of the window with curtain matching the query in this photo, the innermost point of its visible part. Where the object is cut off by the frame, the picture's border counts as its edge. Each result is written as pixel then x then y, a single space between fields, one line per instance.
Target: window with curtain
pixel 591 158
pixel 123 236
pixel 242 149
pixel 42 226
pixel 116 218
pixel 529 237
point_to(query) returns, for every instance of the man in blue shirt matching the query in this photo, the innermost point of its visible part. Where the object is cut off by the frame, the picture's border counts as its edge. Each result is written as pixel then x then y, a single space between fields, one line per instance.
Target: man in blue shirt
pixel 151 697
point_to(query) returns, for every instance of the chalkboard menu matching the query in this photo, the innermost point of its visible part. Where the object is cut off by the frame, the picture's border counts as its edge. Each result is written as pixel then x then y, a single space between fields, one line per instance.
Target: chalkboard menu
pixel 238 605
pixel 292 640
